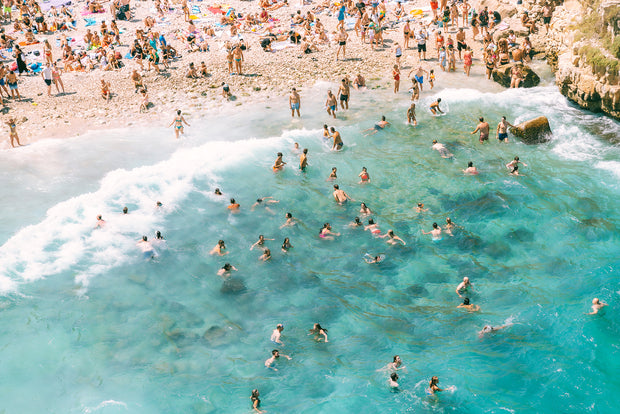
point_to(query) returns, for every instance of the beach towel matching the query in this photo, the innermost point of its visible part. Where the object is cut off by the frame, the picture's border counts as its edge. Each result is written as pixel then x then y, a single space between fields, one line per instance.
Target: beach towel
pixel 87 12
pixel 215 10
pixel 90 22
pixel 502 26
pixel 281 45
pixel 24 43
pixel 196 10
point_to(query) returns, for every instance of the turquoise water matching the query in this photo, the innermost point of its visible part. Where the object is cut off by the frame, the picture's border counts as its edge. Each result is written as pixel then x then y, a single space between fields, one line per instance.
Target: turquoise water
pixel 91 327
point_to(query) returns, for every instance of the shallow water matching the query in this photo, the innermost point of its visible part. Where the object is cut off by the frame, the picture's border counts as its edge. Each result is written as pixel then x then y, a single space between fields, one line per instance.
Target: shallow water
pixel 91 327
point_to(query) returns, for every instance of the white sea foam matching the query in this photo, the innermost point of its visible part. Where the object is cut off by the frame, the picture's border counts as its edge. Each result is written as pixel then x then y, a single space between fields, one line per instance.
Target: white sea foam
pixel 66 238
pixel 103 404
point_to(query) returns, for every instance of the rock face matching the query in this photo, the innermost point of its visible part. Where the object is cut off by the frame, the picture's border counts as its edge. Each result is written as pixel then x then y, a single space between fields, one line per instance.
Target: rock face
pixel 501 75
pixel 534 131
pixel 589 91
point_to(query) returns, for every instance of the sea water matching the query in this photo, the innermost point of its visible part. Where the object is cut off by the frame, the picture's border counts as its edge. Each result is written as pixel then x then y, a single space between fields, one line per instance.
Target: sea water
pixel 90 326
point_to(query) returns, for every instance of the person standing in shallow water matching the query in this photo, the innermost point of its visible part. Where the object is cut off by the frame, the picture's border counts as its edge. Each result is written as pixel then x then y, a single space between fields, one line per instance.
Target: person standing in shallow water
pixel 483 128
pixel 256 401
pixel 178 122
pixel 294 101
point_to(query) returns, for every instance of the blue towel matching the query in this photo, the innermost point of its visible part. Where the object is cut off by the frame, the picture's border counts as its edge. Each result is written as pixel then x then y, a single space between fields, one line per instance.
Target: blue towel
pixel 90 22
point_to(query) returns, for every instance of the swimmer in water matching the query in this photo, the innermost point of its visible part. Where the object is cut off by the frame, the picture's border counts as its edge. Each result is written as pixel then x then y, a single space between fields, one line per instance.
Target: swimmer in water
pixel 372 259
pixel 286 245
pixel 234 206
pixel 318 331
pixel 515 162
pixel 125 210
pixel 275 354
pixel 393 380
pixel 260 243
pixel 469 306
pixel 396 364
pixel 483 128
pixel 373 227
pixel 219 249
pixel 146 247
pixel 333 175
pixel 290 221
pixel 158 235
pixel 515 171
pixel 263 202
pixel 226 270
pixel 434 107
pixel 327 233
pixel 411 115
pixel 470 169
pixel 433 386
pixel 356 222
pixel 217 192
pixel 100 222
pixel 303 160
pixel 178 122
pixel 443 151
pixel 420 208
pixel 364 176
pixel 277 333
pixel 256 401
pixel 338 144
pixel 488 329
pixel 463 286
pixel 392 238
pixel 340 196
pixel 379 126
pixel 326 134
pixel 364 210
pixel 278 164
pixel 266 255
pixel 597 305
pixel 436 232
pixel 449 226
pixel 296 148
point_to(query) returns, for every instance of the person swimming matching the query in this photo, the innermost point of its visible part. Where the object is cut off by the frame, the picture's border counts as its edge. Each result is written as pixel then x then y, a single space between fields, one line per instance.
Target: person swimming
pixel 373 227
pixel 290 221
pixel 327 233
pixel 392 238
pixel 356 222
pixel 470 169
pixel 488 329
pixel 364 210
pixel 393 380
pixel 435 232
pixel 226 270
pixel 319 333
pixel 286 245
pixel 469 306
pixel 276 334
pixel 219 249
pixel 364 176
pixel 260 243
pixel 147 248
pixel 333 175
pixel 463 286
pixel 433 386
pixel 368 258
pixel 597 305
pixel 275 355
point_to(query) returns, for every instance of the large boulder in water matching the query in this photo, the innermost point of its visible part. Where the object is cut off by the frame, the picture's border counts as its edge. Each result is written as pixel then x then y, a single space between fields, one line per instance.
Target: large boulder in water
pixel 534 131
pixel 501 75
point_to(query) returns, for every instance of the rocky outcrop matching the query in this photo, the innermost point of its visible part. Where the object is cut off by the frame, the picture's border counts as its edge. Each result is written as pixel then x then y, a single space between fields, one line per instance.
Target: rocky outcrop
pixel 501 75
pixel 534 131
pixel 594 92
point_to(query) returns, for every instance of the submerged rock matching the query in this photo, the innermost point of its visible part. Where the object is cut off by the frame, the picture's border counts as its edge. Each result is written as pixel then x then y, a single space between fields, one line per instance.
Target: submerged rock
pixel 232 285
pixel 534 131
pixel 501 75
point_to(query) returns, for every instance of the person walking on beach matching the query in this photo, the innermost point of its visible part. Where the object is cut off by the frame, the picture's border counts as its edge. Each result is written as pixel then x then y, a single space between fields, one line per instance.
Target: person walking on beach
pixel 421 37
pixel 331 104
pixel 502 130
pixel 12 124
pixel 46 74
pixel 342 43
pixel 396 76
pixel 178 122
pixel 294 101
pixel 238 56
pixel 105 90
pixel 56 78
pixel 483 128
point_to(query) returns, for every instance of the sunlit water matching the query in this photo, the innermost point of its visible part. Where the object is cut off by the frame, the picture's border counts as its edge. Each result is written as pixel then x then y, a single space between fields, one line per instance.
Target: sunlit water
pixel 89 326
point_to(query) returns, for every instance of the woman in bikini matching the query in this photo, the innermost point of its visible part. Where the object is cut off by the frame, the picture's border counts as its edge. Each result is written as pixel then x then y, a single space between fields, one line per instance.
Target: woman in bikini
pixel 178 122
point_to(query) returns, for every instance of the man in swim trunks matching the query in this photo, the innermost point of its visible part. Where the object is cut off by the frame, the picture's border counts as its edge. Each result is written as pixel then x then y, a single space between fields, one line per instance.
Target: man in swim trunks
pixel 419 74
pixel 483 128
pixel 178 124
pixel 434 107
pixel 294 101
pixel 279 163
pixel 342 43
pixel 343 93
pixel 238 56
pixel 378 127
pixel 502 129
pixel 339 195
pixel 460 41
pixel 338 144
pixel 331 104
